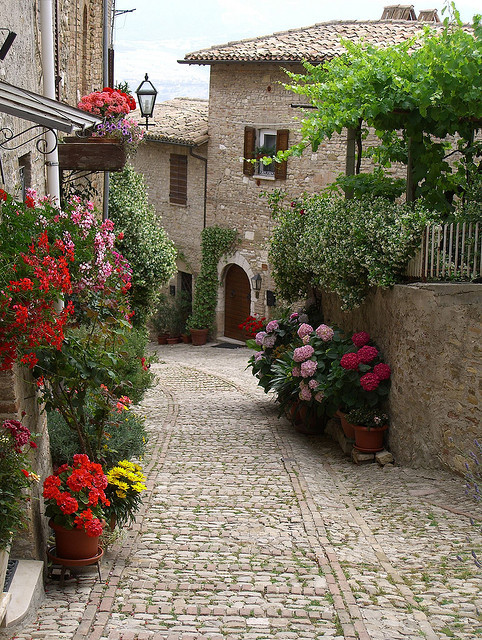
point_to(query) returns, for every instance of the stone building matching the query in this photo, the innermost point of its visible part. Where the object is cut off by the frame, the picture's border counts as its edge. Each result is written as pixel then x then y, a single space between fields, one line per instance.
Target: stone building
pixel 173 160
pixel 250 113
pixel 55 57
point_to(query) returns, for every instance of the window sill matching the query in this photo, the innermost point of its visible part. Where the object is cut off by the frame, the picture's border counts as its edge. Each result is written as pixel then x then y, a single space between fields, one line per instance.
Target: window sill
pixel 263 176
pixel 176 204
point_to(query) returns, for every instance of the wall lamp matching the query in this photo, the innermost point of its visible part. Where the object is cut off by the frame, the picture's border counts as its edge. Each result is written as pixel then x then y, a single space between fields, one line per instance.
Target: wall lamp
pixel 256 284
pixel 7 43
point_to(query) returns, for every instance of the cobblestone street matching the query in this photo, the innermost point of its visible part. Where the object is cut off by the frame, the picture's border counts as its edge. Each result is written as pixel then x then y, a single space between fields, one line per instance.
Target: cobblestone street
pixel 252 531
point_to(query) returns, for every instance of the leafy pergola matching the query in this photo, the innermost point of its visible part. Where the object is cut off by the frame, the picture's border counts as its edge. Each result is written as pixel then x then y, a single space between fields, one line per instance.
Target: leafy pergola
pixel 422 97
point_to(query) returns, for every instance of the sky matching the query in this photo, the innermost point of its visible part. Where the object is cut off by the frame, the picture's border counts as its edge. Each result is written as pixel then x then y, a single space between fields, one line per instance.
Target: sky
pixel 158 33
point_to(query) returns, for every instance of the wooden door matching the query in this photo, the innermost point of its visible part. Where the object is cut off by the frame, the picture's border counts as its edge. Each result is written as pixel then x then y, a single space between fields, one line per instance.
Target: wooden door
pixel 237 302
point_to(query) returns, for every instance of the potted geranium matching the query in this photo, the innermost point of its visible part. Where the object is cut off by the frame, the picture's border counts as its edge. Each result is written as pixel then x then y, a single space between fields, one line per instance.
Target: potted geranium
pixel 106 147
pixel 75 500
pixel 369 424
pixel 15 479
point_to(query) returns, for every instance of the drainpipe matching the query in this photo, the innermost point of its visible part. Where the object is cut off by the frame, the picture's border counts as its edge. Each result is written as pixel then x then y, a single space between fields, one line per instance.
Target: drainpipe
pixel 48 71
pixel 105 76
pixel 205 160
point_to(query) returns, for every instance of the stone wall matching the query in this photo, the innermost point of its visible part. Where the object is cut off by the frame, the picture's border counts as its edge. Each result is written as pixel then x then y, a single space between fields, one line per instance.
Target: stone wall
pixel 183 223
pixel 430 335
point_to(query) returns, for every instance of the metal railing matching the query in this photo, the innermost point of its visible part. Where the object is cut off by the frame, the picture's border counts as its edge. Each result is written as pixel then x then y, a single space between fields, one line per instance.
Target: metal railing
pixel 448 252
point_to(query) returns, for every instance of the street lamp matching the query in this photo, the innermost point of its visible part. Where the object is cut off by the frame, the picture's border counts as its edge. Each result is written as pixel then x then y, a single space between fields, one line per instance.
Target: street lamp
pixel 146 95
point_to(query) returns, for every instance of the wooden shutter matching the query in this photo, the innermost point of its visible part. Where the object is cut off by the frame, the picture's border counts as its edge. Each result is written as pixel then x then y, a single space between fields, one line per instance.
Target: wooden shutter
pixel 280 168
pixel 249 146
pixel 178 179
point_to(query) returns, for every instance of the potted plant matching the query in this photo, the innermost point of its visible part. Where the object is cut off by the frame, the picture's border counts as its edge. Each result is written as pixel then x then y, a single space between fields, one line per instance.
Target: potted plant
pixel 15 479
pixel 125 485
pixel 369 424
pixel 75 499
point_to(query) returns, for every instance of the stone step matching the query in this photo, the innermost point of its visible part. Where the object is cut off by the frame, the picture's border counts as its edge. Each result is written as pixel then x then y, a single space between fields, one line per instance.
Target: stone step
pixel 26 591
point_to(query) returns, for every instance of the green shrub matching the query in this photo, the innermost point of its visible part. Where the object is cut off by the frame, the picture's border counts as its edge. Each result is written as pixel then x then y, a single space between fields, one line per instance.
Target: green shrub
pixel 124 437
pixel 145 244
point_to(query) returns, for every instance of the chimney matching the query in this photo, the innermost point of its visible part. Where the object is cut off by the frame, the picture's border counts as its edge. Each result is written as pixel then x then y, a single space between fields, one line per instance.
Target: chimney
pixel 428 15
pixel 399 12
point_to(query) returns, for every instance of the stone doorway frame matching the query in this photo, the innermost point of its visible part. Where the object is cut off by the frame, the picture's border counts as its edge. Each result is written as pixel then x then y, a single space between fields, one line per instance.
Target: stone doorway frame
pixel 239 260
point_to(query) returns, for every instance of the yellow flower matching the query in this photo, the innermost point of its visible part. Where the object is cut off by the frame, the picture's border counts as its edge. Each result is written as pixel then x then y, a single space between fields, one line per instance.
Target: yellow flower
pixel 121 494
pixel 139 487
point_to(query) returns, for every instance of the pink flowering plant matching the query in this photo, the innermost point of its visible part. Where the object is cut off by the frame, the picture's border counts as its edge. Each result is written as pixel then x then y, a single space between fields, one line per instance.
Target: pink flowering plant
pixel 16 477
pixel 113 105
pixel 270 344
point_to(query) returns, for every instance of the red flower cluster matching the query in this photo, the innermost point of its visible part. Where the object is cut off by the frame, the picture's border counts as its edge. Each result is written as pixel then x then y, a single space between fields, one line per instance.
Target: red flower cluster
pixel 20 434
pixel 108 103
pixel 28 314
pixel 252 325
pixel 365 355
pixel 75 495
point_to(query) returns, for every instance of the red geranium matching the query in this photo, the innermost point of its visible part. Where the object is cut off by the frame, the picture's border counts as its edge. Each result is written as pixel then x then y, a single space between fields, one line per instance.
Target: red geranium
pixel 68 491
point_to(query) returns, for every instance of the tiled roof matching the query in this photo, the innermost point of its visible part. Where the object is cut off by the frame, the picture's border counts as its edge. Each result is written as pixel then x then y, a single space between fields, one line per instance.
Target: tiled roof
pixel 178 121
pixel 314 44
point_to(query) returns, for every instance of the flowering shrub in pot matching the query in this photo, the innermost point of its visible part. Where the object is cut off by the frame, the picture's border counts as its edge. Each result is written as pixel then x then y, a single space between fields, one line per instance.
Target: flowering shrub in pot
pixel 369 425
pixel 124 488
pixel 75 496
pixel 270 344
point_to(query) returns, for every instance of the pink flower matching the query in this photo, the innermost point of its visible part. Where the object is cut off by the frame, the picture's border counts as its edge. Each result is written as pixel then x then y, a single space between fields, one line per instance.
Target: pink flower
pixel 272 326
pixel 319 396
pixel 293 316
pixel 296 372
pixel 312 384
pixel 366 354
pixel 369 382
pixel 305 330
pixel 360 339
pixel 259 337
pixel 324 332
pixel 305 394
pixel 382 371
pixel 308 368
pixel 306 339
pixel 303 353
pixel 350 361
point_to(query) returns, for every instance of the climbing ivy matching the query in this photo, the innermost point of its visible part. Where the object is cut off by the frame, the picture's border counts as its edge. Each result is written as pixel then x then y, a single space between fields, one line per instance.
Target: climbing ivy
pixel 215 243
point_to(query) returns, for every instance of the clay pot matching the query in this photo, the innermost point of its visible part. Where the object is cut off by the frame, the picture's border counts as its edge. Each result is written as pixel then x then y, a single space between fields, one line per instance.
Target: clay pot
pixel 369 440
pixel 173 340
pixel 199 336
pixel 348 428
pixel 73 544
pixel 162 338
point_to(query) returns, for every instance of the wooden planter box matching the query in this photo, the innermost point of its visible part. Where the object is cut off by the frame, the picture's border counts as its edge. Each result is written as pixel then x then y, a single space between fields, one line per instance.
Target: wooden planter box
pixel 92 154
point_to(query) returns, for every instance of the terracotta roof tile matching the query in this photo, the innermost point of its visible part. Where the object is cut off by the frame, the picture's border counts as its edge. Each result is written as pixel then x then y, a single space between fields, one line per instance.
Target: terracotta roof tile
pixel 314 44
pixel 178 121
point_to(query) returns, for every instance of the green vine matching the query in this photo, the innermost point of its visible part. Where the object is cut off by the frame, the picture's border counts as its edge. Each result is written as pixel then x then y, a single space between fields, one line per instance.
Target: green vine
pixel 215 243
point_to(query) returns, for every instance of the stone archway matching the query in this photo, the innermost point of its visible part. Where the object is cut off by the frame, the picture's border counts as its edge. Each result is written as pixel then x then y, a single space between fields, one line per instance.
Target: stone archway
pixel 237 301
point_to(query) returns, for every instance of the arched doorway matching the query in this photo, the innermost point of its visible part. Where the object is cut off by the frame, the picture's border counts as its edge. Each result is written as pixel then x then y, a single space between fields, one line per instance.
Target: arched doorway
pixel 237 302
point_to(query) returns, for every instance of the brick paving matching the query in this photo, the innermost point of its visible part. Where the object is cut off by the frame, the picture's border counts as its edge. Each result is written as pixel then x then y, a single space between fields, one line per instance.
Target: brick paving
pixel 251 531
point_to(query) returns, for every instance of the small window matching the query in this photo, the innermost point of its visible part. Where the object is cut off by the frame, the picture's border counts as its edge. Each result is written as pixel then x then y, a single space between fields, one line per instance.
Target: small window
pixel 25 174
pixel 259 143
pixel 178 179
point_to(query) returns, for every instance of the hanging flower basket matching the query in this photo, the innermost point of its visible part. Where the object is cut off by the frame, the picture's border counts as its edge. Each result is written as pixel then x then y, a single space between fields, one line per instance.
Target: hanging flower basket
pixel 98 153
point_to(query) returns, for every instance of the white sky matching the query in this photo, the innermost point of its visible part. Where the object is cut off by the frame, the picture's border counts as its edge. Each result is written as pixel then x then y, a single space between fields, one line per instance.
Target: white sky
pixel 159 32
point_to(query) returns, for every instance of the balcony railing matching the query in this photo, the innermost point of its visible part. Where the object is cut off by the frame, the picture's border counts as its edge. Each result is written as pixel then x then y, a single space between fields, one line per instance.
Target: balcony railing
pixel 448 252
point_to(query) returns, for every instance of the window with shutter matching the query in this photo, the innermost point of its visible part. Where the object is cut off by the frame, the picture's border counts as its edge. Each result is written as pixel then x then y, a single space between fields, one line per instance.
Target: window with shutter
pixel 259 143
pixel 178 179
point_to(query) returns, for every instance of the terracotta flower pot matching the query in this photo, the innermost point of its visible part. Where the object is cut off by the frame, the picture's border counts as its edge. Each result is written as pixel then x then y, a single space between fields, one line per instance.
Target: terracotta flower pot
pixel 73 544
pixel 162 338
pixel 348 428
pixel 186 338
pixel 173 340
pixel 199 336
pixel 369 440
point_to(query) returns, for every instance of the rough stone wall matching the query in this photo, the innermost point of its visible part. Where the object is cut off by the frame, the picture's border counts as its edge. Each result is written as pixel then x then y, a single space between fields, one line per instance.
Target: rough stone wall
pixel 430 335
pixel 183 223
